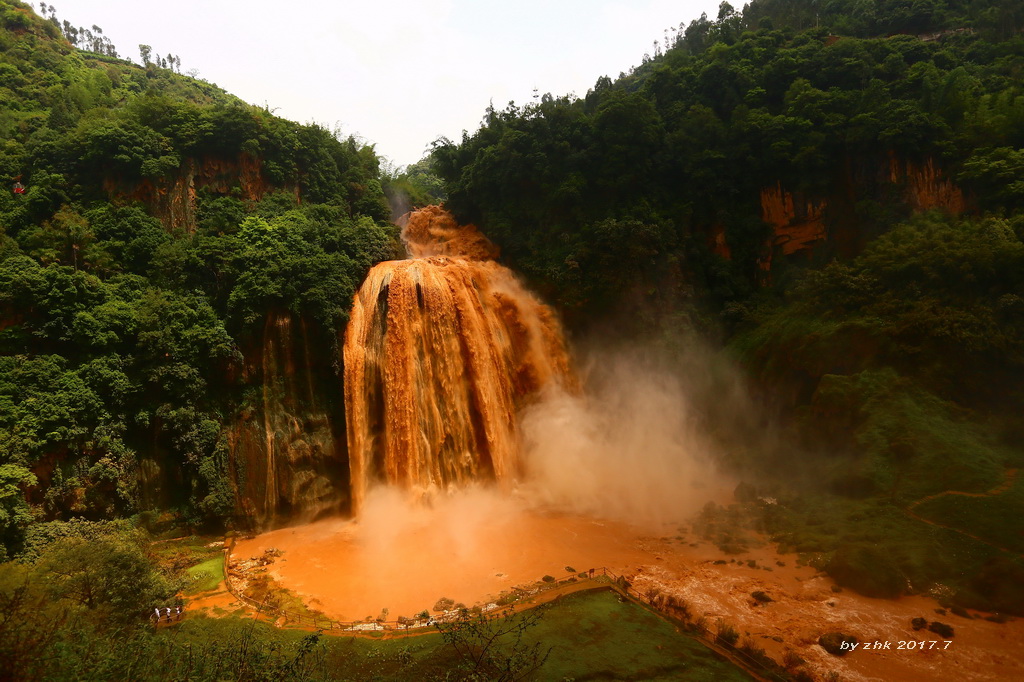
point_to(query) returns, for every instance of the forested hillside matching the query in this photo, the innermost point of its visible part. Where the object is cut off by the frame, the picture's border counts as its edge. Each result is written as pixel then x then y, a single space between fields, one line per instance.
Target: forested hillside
pixel 739 128
pixel 835 192
pixel 173 277
pixel 831 193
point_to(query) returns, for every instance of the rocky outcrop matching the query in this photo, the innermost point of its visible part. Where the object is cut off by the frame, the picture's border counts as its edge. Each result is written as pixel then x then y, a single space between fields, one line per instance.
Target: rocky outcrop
pixel 802 224
pixel 172 198
pixel 717 242
pixel 924 186
pixel 287 449
pixel 798 223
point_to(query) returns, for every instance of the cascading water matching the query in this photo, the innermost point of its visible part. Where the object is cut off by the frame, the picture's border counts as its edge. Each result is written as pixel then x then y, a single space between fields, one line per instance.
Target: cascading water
pixel 441 351
pixel 455 374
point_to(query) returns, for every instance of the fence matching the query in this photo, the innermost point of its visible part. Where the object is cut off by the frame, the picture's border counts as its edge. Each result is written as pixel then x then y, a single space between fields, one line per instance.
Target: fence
pixel 166 617
pixel 758 667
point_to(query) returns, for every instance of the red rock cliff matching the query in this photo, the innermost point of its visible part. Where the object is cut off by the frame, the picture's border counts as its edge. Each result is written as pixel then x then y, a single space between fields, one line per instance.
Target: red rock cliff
pixel 172 199
pixel 801 223
pixel 925 186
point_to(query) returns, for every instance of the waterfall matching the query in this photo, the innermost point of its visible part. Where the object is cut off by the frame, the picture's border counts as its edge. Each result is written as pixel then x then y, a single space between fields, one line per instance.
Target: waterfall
pixel 441 352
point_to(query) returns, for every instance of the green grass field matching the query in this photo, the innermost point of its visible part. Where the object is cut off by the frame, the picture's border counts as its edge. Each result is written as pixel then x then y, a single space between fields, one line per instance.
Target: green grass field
pixel 593 635
pixel 600 636
pixel 205 576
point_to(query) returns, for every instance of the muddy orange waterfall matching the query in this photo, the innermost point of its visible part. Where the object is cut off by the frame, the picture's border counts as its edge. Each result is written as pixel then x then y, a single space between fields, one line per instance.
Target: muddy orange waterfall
pixel 441 351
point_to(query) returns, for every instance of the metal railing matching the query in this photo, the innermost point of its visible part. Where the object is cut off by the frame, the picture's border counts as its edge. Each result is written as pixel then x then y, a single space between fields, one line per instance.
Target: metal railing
pixel 755 666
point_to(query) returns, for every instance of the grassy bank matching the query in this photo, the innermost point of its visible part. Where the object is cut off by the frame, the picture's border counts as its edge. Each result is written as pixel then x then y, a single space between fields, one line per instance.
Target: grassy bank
pixel 591 635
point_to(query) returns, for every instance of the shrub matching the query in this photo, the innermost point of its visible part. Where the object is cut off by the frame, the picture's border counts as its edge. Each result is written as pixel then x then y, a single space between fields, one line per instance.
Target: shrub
pixel 999 586
pixel 866 569
pixel 444 604
pixel 758 654
pixel 727 635
pixel 109 574
pixel 506 599
pixel 792 659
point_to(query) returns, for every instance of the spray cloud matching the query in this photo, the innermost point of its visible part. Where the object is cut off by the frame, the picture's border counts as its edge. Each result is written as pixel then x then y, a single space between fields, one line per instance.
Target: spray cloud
pixel 629 448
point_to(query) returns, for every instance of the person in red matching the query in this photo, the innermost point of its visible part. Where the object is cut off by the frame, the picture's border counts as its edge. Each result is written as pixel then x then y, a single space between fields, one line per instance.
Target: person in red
pixel 19 188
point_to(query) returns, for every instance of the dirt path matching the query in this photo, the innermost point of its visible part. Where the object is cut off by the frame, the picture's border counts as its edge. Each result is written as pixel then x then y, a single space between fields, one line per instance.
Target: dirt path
pixel 1011 477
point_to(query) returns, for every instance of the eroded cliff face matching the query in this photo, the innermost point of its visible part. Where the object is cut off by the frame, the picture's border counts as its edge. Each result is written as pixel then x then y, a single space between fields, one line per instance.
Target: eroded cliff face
pixel 287 450
pixel 172 199
pixel 801 223
pixel 717 242
pixel 925 186
pixel 798 223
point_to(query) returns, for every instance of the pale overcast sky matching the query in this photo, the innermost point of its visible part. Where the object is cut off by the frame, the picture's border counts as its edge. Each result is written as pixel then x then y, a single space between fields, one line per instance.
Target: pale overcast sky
pixel 398 73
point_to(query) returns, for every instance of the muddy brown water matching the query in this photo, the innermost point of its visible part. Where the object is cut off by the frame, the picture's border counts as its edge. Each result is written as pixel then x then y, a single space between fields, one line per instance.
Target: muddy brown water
pixel 473 553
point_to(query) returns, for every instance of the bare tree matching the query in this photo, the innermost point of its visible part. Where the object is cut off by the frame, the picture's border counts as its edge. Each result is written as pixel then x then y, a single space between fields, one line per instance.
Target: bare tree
pixel 493 647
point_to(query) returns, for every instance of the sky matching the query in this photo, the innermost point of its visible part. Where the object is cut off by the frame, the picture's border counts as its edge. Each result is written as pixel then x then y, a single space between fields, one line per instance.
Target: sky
pixel 396 73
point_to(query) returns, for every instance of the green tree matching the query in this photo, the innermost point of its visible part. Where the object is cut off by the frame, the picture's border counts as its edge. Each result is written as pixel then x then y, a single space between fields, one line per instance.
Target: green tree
pixel 997 175
pixel 15 513
pixel 110 575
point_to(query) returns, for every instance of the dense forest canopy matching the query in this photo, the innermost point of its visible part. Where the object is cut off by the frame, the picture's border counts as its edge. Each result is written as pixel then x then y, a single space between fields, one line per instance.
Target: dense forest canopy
pixel 684 144
pixel 162 221
pixel 833 191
